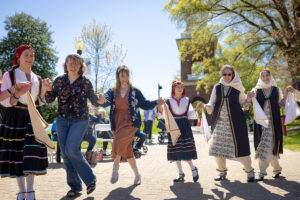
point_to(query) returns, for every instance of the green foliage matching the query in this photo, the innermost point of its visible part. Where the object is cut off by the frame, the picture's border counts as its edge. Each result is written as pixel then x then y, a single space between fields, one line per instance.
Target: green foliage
pixel 24 29
pixel 49 112
pixel 268 31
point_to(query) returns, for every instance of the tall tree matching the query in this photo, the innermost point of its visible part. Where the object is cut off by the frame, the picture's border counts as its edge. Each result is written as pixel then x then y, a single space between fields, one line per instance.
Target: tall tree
pixel 105 56
pixel 24 29
pixel 272 27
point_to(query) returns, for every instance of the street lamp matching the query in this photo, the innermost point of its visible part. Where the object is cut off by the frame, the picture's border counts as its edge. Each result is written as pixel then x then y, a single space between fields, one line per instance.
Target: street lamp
pixel 159 88
pixel 79 46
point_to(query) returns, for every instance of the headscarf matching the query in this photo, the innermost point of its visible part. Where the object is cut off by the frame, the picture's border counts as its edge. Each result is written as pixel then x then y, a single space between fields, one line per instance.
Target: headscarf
pixel 174 85
pixel 19 52
pixel 235 82
pixel 262 85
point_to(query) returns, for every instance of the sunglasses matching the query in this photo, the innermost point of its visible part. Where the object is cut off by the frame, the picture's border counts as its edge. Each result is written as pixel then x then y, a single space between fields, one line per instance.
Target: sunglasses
pixel 227 74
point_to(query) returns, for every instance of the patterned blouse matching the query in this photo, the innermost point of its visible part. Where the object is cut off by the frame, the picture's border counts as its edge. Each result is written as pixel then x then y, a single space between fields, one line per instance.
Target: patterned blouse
pixel 72 98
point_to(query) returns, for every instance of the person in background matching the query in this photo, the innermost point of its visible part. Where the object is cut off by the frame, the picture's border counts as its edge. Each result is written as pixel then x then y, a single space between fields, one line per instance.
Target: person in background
pixel 141 139
pixel 90 135
pixel 149 118
pixel 104 134
pixel 54 138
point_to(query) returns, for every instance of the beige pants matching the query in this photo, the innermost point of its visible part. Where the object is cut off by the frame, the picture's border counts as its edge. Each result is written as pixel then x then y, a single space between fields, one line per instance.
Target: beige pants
pixel 263 165
pixel 246 162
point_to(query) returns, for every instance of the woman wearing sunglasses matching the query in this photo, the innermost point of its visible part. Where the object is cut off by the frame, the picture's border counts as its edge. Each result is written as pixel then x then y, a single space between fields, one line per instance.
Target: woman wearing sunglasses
pixel 229 129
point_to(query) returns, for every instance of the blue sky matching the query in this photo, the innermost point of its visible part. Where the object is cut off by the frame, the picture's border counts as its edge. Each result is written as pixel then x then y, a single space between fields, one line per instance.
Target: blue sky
pixel 142 27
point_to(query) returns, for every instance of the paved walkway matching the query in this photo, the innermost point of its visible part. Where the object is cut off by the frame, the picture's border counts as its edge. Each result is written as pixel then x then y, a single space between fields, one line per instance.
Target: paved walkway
pixel 157 175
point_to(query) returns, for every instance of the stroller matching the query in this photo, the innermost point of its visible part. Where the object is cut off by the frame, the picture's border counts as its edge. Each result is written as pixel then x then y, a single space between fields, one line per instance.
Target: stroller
pixel 163 134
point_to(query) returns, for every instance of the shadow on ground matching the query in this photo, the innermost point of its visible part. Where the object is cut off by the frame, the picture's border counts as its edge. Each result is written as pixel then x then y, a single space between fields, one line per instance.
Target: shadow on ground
pixel 189 191
pixel 122 193
pixel 256 190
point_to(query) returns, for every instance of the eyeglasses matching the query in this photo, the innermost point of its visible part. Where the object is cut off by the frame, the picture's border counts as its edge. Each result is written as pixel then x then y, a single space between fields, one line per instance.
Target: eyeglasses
pixel 227 74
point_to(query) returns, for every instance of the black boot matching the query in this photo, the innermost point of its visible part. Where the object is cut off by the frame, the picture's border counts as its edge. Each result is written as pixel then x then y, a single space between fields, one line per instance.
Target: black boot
pixel 179 179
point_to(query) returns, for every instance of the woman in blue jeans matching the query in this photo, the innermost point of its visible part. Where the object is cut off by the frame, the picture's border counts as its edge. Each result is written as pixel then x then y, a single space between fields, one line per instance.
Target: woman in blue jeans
pixel 72 90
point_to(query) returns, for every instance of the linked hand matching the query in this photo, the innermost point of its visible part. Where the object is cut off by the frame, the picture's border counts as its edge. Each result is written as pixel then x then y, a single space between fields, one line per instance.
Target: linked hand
pixel 46 85
pixel 160 101
pixel 101 98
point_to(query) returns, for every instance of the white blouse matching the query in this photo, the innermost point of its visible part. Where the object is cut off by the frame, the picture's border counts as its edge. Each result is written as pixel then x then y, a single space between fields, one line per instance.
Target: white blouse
pixel 181 108
pixel 20 77
pixel 213 97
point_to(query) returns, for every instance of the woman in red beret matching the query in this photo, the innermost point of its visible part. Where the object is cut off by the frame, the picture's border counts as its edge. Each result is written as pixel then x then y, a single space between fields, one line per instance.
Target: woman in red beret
pixel 21 157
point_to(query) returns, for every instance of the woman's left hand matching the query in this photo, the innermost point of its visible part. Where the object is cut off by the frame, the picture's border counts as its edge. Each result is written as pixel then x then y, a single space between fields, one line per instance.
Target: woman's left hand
pixel 46 85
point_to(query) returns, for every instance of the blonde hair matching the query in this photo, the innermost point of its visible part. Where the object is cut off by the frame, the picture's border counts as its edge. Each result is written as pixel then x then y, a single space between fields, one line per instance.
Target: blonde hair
pixel 122 68
pixel 77 58
pixel 228 67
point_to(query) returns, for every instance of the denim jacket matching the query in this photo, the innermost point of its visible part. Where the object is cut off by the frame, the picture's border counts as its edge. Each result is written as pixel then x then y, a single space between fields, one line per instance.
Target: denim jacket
pixel 136 101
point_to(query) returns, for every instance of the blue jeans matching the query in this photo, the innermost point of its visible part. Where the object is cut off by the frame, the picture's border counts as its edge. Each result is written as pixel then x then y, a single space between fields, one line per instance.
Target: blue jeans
pixel 91 139
pixel 70 134
pixel 142 137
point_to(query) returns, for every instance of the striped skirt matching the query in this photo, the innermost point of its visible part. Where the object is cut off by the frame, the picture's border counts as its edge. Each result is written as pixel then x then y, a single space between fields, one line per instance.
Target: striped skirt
pixel 185 147
pixel 20 154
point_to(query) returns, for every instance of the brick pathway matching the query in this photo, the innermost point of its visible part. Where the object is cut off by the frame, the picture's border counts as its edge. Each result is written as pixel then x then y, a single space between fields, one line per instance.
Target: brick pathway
pixel 157 175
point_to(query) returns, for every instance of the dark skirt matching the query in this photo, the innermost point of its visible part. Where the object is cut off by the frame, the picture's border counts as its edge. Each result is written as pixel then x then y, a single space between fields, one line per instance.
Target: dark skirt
pixel 185 147
pixel 20 154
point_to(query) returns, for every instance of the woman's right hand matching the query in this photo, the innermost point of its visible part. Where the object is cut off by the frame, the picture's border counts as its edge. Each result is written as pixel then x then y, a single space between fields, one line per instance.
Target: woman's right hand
pixel 101 98
pixel 22 88
pixel 200 106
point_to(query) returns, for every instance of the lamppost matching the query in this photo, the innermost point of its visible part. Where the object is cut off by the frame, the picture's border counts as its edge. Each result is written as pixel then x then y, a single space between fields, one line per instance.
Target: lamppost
pixel 159 88
pixel 79 46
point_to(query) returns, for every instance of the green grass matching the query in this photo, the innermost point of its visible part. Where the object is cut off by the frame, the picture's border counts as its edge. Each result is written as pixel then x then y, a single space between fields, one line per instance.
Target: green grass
pixel 85 144
pixel 292 141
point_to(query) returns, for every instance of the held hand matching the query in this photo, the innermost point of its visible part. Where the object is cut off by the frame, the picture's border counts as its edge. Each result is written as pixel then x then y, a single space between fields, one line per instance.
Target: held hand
pixel 200 106
pixel 289 89
pixel 160 101
pixel 46 85
pixel 101 98
pixel 22 88
pixel 250 95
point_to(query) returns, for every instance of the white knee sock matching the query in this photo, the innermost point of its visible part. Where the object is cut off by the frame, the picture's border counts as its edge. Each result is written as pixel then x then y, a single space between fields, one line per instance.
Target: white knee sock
pixel 179 166
pixel 21 185
pixel 192 166
pixel 30 182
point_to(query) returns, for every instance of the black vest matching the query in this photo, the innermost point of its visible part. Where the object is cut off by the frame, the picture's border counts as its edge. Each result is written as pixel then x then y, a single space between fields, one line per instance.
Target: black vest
pixel 236 117
pixel 275 119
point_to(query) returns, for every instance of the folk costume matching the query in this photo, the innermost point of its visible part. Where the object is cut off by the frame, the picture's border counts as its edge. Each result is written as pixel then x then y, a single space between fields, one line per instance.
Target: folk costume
pixel 229 130
pixel 184 149
pixel 20 154
pixel 268 141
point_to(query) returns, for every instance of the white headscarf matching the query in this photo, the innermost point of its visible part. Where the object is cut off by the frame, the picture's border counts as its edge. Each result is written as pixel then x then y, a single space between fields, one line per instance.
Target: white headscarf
pixel 235 82
pixel 262 85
